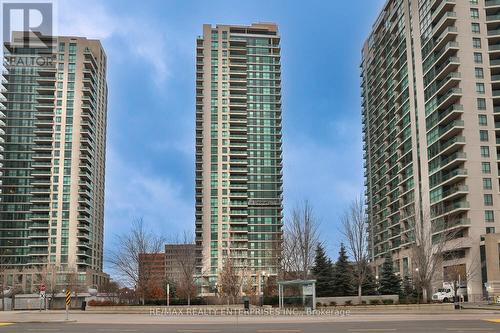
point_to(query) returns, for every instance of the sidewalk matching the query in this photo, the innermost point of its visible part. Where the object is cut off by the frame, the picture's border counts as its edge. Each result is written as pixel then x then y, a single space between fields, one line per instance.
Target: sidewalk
pixel 145 318
pixel 400 308
pixel 491 307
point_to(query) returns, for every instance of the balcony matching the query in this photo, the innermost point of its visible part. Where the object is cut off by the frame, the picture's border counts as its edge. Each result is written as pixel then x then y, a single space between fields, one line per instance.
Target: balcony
pixel 492 18
pixel 453 176
pixel 444 6
pixel 452 193
pixel 451 80
pixel 451 129
pixel 451 161
pixel 452 143
pixel 446 20
pixel 492 3
pixel 454 207
pixel 493 33
pixel 440 225
pixel 452 112
pixel 449 98
pixel 495 63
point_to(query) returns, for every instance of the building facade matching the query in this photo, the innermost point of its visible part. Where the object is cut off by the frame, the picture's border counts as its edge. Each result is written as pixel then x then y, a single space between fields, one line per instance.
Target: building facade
pixel 53 138
pixel 152 274
pixel 179 258
pixel 238 149
pixel 431 96
pixel 490 256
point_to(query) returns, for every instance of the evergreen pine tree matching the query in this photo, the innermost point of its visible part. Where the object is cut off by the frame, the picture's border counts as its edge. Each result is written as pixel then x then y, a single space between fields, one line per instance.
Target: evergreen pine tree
pixel 408 291
pixel 369 286
pixel 322 271
pixel 390 283
pixel 342 275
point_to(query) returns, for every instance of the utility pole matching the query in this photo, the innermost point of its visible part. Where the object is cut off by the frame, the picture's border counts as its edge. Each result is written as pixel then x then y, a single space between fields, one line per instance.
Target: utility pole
pixel 168 294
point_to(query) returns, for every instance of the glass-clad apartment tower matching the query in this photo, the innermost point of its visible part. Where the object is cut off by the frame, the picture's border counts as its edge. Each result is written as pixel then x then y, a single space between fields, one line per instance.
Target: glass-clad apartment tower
pixel 431 123
pixel 238 150
pixel 52 138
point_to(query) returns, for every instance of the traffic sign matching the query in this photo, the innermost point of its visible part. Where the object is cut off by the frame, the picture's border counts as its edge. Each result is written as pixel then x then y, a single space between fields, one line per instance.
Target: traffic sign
pixel 68 297
pixel 43 288
pixel 68 302
pixel 42 294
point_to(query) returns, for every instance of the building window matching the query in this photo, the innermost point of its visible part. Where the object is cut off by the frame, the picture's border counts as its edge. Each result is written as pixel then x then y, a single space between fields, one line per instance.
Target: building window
pixel 487 185
pixel 480 88
pixel 474 13
pixel 479 73
pixel 478 58
pixel 485 151
pixel 483 120
pixel 486 167
pixel 476 42
pixel 488 200
pixel 483 136
pixel 490 230
pixel 481 104
pixel 489 216
pixel 473 2
pixel 475 28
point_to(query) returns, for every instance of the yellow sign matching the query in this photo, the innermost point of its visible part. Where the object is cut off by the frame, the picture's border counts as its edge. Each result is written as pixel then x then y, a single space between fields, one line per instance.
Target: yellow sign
pixel 68 297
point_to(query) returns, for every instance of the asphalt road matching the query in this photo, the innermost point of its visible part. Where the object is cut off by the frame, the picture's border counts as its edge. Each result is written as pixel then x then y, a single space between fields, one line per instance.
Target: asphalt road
pixel 427 326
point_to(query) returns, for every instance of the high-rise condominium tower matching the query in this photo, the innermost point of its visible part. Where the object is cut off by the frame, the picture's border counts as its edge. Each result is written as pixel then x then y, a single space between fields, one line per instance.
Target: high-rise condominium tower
pixel 52 137
pixel 238 150
pixel 431 96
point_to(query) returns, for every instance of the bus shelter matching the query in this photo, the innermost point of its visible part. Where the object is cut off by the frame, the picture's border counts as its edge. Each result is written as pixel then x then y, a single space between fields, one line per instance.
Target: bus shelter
pixel 297 293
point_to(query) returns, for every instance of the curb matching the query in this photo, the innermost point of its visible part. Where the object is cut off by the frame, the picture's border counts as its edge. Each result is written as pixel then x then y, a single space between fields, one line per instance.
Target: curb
pixel 44 321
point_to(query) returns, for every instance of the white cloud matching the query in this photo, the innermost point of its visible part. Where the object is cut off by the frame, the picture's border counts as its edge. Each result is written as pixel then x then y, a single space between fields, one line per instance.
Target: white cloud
pixel 92 19
pixel 326 172
pixel 133 193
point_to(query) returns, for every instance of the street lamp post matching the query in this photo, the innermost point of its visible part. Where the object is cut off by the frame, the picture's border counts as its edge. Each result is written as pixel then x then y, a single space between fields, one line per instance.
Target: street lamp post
pixel 262 288
pixel 418 285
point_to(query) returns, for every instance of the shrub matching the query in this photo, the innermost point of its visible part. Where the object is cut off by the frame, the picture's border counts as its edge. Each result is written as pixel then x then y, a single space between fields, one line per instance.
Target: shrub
pixel 319 304
pixel 271 300
pixel 348 303
pixel 333 303
pixel 101 303
pixel 363 302
pixel 388 301
pixel 374 301
pixel 179 301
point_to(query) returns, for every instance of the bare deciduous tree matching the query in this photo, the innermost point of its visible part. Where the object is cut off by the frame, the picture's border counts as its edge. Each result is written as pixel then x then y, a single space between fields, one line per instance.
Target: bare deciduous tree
pixel 47 275
pixel 4 264
pixel 428 245
pixel 229 280
pixel 299 242
pixel 247 283
pixel 456 272
pixel 185 260
pixel 127 258
pixel 354 229
pixel 72 282
pixel 110 288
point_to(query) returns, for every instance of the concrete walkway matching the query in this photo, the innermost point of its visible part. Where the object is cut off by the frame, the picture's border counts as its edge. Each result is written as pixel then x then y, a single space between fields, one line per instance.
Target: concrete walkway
pixel 146 318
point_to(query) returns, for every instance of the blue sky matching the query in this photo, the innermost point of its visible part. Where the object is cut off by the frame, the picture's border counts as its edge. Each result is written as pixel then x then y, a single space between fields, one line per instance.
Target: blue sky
pixel 151 77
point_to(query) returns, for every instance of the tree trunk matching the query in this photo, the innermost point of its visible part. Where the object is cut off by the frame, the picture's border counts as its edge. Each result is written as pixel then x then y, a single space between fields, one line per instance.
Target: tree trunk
pixel 424 295
pixel 360 294
pixel 189 300
pixel 3 296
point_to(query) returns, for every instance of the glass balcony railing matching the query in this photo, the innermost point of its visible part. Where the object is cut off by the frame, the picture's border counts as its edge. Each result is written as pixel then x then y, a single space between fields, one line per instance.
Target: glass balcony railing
pixel 490 3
